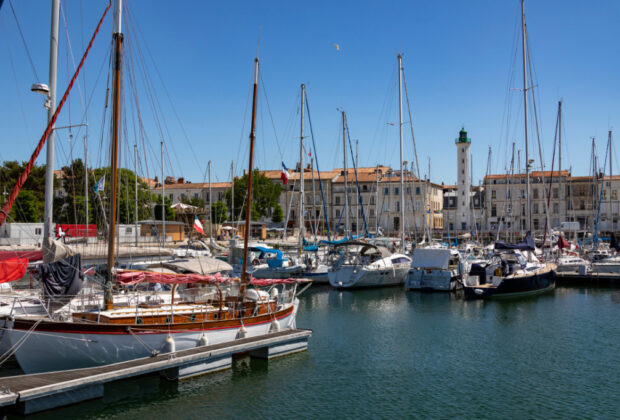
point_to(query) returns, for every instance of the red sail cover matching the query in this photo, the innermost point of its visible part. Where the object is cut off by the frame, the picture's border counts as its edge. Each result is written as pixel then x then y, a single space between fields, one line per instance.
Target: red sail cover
pixel 129 278
pixel 563 243
pixel 12 269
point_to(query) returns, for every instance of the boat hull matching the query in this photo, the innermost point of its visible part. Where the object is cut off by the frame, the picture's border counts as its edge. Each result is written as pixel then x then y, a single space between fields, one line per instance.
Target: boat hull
pixel 54 346
pixel 347 277
pixel 514 286
pixel 437 280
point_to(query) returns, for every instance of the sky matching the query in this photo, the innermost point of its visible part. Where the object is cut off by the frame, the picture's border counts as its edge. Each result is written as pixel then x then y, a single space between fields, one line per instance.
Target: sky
pixel 188 67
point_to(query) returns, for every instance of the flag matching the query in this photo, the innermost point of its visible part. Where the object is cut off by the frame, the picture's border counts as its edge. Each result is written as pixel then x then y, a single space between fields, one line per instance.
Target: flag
pixel 563 243
pixel 99 186
pixel 198 225
pixel 284 176
pixel 310 153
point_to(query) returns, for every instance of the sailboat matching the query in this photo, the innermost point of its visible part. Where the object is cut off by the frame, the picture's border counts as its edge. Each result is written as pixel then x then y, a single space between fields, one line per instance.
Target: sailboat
pixel 513 270
pixel 111 333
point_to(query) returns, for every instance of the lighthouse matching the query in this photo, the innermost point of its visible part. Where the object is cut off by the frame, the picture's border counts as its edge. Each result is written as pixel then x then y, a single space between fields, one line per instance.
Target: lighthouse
pixel 463 219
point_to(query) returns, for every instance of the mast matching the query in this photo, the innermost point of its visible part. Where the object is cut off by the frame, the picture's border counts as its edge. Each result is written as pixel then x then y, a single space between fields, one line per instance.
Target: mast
pixel 210 209
pixel 527 156
pixel 163 197
pixel 86 182
pixel 377 201
pixel 512 195
pixel 301 171
pixel 357 205
pixel 248 213
pixel 346 190
pixel 560 159
pixel 232 195
pixel 611 219
pixel 135 171
pixel 400 133
pixel 116 111
pixel 49 168
pixel 316 222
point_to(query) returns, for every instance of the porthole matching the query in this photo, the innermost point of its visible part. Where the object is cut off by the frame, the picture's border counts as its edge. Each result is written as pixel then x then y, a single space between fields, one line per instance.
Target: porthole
pixel 139 321
pixel 215 315
pixel 168 320
pixel 192 317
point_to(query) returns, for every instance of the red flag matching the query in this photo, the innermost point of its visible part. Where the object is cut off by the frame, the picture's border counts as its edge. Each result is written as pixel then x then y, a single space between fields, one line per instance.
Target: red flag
pixel 198 226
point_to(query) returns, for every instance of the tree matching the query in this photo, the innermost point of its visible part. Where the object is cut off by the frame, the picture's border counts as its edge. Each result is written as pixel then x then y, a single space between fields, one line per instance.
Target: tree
pixel 219 212
pixel 157 209
pixel 194 201
pixel 26 207
pixel 9 173
pixel 278 214
pixel 265 195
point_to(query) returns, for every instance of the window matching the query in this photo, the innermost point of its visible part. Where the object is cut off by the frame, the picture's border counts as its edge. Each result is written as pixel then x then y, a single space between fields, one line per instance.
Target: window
pixel 535 193
pixel 535 207
pixel 536 223
pixel 128 230
pixel 582 205
pixel 614 194
pixel 417 190
pixel 556 208
pixel 364 188
pixel 556 193
pixel 462 160
pixel 493 211
pixel 372 200
pixel 337 213
pixel 386 191
pixel 451 226
pixel 522 209
pixel 408 190
pixel 493 194
pixel 396 191
pixel 463 226
pixel 397 206
pixel 372 212
pixel 37 231
pixel 570 205
pixel 195 195
pixel 337 200
pixel 170 196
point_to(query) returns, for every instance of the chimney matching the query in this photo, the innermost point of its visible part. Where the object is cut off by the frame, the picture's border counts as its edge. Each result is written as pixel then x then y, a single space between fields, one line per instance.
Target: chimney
pixel 181 181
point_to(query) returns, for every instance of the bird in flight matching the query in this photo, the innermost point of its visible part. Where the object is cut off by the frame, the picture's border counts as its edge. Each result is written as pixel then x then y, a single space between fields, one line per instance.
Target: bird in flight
pixel 337 47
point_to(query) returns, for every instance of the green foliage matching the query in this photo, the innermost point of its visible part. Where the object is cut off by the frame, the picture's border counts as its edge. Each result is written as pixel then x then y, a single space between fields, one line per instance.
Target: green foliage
pixel 278 214
pixel 35 184
pixel 219 212
pixel 157 209
pixel 265 195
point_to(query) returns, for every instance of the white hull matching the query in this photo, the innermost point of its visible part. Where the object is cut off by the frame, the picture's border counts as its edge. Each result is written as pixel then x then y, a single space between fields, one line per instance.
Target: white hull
pixel 349 276
pixel 53 351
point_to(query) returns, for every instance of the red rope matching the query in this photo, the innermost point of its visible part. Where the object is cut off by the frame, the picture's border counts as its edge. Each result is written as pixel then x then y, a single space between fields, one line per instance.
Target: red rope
pixel 6 209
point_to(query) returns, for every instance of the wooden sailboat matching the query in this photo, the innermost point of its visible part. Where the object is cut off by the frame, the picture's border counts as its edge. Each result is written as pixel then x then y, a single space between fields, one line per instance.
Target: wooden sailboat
pixel 112 333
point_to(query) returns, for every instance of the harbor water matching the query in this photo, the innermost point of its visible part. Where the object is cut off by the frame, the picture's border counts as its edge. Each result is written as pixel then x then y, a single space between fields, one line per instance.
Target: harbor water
pixel 386 353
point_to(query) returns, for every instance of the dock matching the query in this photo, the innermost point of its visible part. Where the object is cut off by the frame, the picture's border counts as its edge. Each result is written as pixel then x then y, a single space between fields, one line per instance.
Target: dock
pixel 28 394
pixel 592 279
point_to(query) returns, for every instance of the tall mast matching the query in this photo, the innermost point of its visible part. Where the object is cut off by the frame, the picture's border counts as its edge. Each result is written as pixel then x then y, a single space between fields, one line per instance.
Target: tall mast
pixel 314 216
pixel 163 196
pixel 248 213
pixel 346 189
pixel 357 202
pixel 49 168
pixel 210 208
pixel 116 111
pixel 232 195
pixel 527 155
pixel 611 219
pixel 86 180
pixel 560 159
pixel 377 201
pixel 400 133
pixel 135 171
pixel 301 170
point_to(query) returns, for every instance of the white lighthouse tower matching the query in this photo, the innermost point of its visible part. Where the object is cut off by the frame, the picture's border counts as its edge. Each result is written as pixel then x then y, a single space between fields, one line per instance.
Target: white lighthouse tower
pixel 464 182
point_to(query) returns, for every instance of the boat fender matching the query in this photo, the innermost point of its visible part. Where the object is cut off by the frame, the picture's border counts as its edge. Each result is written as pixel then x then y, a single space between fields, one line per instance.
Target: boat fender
pixel 203 340
pixel 242 332
pixel 274 293
pixel 275 326
pixel 169 345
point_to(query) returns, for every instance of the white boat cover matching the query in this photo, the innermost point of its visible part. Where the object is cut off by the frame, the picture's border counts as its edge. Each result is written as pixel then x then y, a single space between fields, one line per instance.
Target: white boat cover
pixel 431 258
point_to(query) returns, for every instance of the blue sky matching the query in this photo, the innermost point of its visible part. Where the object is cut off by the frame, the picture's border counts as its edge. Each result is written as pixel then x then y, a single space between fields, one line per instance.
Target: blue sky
pixel 459 60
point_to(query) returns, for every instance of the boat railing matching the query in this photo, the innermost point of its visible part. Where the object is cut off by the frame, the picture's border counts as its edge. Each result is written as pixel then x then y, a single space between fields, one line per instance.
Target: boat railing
pixel 19 302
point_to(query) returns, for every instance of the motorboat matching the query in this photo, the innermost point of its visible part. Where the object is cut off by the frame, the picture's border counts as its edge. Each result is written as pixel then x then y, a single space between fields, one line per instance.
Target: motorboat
pixel 365 265
pixel 434 269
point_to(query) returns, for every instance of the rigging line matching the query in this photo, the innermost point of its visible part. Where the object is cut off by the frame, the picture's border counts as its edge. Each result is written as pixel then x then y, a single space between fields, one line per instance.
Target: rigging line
pixel 21 34
pixel 318 170
pixel 357 184
pixel 69 53
pixel 22 179
pixel 19 99
pixel 174 110
pixel 275 134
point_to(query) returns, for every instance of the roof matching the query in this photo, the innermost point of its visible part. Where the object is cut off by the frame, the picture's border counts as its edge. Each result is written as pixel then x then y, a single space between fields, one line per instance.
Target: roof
pixel 275 174
pixel 194 186
pixel 533 174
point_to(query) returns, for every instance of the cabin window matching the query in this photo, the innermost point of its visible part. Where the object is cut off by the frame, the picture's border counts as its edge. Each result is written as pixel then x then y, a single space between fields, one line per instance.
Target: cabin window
pixel 139 321
pixel 192 317
pixel 168 320
pixel 216 315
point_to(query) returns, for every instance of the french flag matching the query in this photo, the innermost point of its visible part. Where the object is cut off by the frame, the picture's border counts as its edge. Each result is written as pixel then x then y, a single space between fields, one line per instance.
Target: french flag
pixel 198 225
pixel 284 176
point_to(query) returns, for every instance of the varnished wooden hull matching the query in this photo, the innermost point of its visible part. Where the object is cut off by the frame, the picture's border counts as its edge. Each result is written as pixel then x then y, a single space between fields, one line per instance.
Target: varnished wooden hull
pixel 71 345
